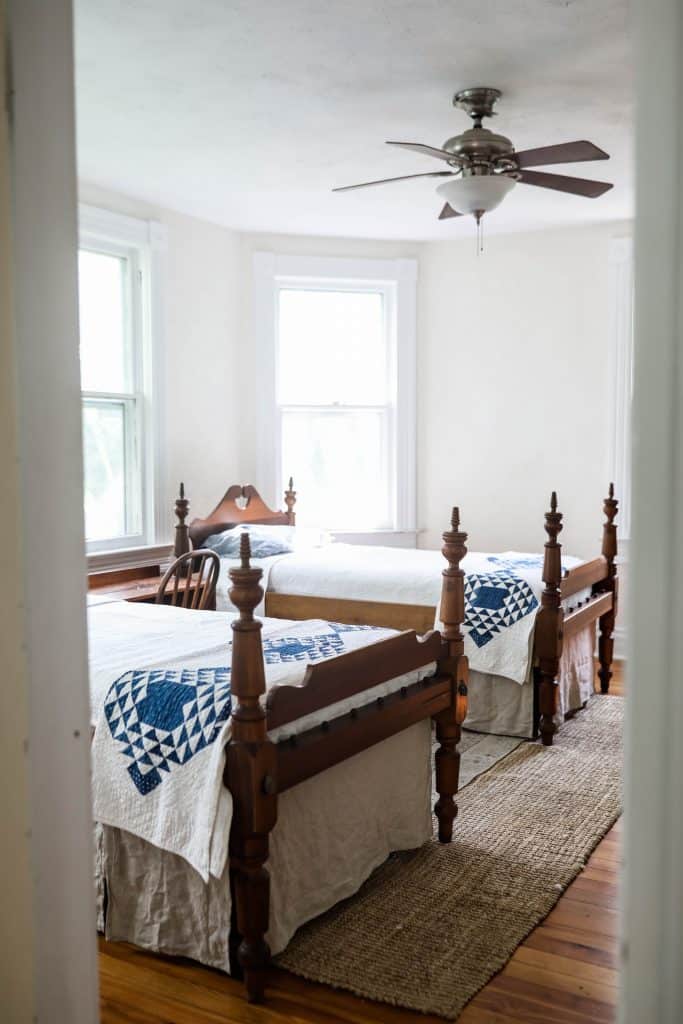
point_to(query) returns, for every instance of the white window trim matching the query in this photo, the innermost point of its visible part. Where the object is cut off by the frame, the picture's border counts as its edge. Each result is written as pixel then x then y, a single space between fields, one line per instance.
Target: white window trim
pixel 620 375
pixel 270 270
pixel 148 239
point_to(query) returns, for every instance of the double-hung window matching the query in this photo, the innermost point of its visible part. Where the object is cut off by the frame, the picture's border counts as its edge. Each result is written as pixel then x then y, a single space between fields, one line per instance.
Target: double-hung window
pixel 117 394
pixel 339 339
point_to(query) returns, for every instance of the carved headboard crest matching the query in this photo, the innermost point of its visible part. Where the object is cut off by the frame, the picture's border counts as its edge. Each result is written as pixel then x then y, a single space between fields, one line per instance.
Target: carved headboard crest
pixel 242 503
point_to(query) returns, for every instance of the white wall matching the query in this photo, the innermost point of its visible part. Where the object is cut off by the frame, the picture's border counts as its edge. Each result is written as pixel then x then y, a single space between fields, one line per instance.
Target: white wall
pixel 512 385
pixel 202 339
pixel 512 371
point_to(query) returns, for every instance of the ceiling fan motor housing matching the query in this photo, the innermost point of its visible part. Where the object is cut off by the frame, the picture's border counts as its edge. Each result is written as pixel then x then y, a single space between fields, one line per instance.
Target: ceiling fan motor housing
pixel 483 150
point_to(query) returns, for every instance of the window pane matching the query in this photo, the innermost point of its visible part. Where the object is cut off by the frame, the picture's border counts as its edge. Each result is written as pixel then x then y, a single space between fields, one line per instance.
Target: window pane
pixel 102 283
pixel 105 466
pixel 339 462
pixel 332 348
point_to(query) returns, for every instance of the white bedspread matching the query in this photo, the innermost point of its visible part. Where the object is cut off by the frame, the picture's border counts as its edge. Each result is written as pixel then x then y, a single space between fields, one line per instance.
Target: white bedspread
pixel 502 592
pixel 161 702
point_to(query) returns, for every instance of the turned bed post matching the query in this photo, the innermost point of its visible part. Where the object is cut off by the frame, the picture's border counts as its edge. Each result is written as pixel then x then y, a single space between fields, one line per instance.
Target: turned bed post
pixel 548 631
pixel 449 721
pixel 290 501
pixel 608 585
pixel 250 775
pixel 182 533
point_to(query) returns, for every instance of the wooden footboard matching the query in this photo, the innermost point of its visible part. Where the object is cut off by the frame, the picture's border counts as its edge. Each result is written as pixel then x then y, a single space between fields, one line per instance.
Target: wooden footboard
pixel 258 769
pixel 554 625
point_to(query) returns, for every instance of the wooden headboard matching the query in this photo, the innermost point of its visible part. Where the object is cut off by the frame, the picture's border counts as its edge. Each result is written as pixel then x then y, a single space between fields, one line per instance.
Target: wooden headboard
pixel 242 504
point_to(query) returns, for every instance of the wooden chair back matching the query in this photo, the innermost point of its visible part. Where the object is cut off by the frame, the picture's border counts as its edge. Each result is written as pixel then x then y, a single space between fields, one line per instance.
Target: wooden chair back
pixel 190 582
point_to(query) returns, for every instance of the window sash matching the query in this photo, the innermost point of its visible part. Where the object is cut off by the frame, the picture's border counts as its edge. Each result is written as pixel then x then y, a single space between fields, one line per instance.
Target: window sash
pixel 387 466
pixel 130 301
pixel 133 479
pixel 387 293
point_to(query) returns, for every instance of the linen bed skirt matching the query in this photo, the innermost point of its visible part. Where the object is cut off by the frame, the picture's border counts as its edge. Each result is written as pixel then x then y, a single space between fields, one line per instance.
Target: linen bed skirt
pixel 333 830
pixel 503 707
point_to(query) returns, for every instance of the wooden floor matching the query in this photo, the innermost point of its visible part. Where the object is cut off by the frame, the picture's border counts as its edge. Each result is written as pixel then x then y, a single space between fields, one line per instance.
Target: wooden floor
pixel 564 973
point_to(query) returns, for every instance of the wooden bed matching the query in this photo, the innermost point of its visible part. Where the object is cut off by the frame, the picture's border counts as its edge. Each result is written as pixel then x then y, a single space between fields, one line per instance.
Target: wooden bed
pixel 258 770
pixel 243 504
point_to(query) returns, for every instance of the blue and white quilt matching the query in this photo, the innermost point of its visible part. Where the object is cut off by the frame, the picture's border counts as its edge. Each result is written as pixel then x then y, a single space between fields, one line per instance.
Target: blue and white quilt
pixel 158 748
pixel 502 596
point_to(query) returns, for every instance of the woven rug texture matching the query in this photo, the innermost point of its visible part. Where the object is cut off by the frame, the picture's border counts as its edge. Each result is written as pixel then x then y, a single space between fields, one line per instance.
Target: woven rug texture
pixel 430 928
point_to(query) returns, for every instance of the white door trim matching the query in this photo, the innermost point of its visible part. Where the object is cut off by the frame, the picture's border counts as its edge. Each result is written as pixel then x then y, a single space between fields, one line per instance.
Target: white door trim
pixel 652 983
pixel 51 470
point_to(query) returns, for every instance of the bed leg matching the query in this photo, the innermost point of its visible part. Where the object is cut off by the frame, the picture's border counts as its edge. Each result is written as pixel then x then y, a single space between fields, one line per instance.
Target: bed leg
pixel 605 650
pixel 547 702
pixel 548 632
pixel 252 896
pixel 447 757
pixel 609 550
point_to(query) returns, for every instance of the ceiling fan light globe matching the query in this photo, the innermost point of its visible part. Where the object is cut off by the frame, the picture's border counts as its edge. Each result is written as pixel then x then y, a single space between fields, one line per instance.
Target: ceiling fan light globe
pixel 476 193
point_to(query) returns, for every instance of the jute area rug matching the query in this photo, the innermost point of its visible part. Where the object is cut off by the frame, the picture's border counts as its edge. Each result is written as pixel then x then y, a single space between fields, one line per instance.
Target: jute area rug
pixel 430 928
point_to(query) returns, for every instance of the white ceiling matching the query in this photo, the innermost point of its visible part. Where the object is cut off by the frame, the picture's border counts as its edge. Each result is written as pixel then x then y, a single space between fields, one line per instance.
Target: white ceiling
pixel 247 112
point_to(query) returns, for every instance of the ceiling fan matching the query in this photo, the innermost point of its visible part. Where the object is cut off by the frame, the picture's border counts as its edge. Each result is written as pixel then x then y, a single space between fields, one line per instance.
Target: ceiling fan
pixel 485 166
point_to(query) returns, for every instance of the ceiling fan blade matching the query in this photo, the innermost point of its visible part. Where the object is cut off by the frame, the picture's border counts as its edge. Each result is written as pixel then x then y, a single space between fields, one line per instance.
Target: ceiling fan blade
pixel 419 147
pixel 448 211
pixel 562 183
pixel 564 153
pixel 403 177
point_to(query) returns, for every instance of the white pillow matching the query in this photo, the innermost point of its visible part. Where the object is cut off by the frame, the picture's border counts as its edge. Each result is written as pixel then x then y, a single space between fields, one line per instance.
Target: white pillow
pixel 299 538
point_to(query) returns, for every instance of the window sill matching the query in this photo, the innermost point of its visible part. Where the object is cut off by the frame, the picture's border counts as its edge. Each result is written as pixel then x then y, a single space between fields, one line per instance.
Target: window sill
pixel 383 538
pixel 129 558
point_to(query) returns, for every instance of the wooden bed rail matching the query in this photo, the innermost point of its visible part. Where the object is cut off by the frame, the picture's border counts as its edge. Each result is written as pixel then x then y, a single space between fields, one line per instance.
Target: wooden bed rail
pixel 347 675
pixel 254 763
pixel 584 576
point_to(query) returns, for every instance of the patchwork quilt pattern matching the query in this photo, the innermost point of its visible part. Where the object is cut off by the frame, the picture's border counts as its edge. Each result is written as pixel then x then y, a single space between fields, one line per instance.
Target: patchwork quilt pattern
pixel 495 601
pixel 161 718
pixel 518 562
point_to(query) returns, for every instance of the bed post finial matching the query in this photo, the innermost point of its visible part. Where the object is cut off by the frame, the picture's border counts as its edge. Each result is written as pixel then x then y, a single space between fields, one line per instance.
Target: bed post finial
pixel 453 586
pixel 245 550
pixel 290 501
pixel 250 775
pixel 549 627
pixel 449 721
pixel 610 585
pixel 181 543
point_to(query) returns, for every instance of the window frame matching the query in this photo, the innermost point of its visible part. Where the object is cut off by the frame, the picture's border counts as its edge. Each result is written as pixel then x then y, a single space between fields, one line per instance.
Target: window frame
pixel 143 244
pixel 397 282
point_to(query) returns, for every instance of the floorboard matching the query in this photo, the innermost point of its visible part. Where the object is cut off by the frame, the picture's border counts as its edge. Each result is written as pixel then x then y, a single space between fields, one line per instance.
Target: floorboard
pixel 564 973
